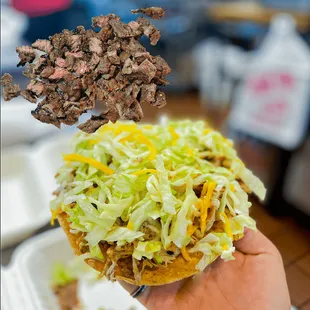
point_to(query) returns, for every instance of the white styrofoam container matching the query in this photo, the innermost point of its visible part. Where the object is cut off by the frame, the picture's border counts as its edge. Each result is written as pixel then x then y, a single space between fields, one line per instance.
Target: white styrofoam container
pixel 26 283
pixel 27 184
pixel 48 159
pixel 22 209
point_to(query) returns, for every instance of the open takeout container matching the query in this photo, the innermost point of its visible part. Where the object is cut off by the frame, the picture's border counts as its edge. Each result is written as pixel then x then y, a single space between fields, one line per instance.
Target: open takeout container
pixel 26 282
pixel 27 183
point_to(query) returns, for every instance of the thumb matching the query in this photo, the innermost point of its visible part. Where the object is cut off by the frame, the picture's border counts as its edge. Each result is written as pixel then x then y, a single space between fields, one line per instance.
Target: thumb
pixel 254 243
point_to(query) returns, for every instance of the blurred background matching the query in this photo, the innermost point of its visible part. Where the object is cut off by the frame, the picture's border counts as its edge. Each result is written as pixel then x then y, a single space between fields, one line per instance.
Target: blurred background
pixel 244 66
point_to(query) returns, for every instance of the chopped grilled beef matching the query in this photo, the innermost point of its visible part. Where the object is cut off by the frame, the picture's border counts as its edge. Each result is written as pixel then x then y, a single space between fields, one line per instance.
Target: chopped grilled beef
pixel 80 66
pixel 153 12
pixel 10 90
pixel 25 54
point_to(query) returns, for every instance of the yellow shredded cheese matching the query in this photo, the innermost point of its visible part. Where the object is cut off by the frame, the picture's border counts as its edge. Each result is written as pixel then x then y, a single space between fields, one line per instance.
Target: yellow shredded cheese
pixel 55 214
pixel 198 204
pixel 191 229
pixel 206 203
pixel 204 190
pixel 103 129
pixel 129 128
pixel 142 139
pixel 173 134
pixel 90 161
pixel 225 247
pixel 144 171
pixel 185 254
pixel 147 127
pixel 238 236
pixel 227 227
pixel 232 187
pixel 206 131
pixel 149 144
pixel 130 225
pixel 92 142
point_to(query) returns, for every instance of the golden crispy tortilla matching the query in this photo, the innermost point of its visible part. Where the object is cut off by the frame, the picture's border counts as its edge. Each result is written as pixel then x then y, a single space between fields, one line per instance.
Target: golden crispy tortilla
pixel 177 270
pixel 74 239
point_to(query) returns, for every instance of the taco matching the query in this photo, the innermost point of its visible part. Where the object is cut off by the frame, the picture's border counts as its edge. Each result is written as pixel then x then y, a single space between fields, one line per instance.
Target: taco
pixel 153 204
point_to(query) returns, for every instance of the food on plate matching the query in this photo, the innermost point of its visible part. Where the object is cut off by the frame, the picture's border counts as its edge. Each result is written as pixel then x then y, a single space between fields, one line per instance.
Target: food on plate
pixel 72 70
pixel 65 281
pixel 153 204
pixel 65 287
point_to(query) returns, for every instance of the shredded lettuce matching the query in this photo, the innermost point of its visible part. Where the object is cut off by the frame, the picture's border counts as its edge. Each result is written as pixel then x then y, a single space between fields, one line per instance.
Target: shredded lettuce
pixel 62 275
pixel 168 199
pixel 134 174
pixel 146 249
pixel 121 235
pixel 180 221
pixel 212 246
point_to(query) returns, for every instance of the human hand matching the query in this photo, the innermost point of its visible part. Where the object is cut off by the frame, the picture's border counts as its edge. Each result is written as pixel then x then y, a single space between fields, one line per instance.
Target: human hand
pixel 254 280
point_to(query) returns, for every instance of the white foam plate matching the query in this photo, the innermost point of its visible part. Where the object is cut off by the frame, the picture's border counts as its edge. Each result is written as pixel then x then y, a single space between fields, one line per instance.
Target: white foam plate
pixel 48 159
pixel 22 210
pixel 27 184
pixel 26 283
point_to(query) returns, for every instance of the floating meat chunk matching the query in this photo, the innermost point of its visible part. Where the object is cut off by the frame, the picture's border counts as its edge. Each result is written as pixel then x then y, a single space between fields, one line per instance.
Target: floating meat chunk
pixel 25 54
pixel 141 56
pixel 145 72
pixel 120 29
pixel 81 67
pixel 160 100
pixel 102 21
pixel 128 67
pixel 29 71
pixel 113 57
pixel 136 29
pixel 149 30
pixel 79 54
pixel 50 110
pixel 43 45
pixel 148 94
pixel 95 46
pixel 94 61
pixel 124 56
pixel 9 91
pixel 58 74
pixel 103 66
pixel 58 41
pixel 161 65
pixel 94 123
pixel 132 46
pixel 74 42
pixel 60 62
pixel 153 12
pixel 72 112
pixel 47 72
pixel 134 112
pixel 40 64
pixel 29 96
pixel 7 79
pixel 36 87
pixel 147 69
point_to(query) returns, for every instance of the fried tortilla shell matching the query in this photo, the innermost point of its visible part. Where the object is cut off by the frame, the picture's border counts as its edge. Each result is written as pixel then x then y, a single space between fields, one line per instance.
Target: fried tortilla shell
pixel 176 270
